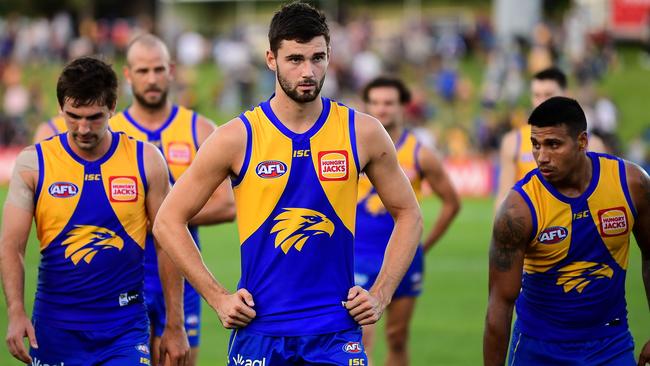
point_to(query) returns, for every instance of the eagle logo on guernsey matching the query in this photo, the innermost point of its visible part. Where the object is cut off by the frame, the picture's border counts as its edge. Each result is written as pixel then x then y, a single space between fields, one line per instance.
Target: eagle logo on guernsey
pixel 294 226
pixel 179 153
pixel 84 241
pixel 577 275
pixel 613 221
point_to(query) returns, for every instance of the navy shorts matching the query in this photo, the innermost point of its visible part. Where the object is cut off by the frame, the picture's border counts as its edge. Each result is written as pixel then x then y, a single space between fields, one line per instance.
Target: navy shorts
pixel 126 345
pixel 341 348
pixel 617 350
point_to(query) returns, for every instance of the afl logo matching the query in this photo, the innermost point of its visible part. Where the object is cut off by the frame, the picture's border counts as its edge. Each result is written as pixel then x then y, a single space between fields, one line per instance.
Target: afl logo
pixel 271 169
pixel 63 189
pixel 352 347
pixel 553 235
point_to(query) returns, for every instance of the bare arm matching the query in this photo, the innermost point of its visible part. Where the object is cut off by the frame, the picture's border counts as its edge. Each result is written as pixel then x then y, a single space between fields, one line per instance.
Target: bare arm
pixel 43 131
pixel 221 205
pixel 377 156
pixel 16 224
pixel 510 234
pixel 507 166
pixel 439 181
pixel 222 151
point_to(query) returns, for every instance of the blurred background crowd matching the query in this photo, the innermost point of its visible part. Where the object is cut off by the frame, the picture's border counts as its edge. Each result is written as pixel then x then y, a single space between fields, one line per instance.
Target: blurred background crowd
pixel 468 63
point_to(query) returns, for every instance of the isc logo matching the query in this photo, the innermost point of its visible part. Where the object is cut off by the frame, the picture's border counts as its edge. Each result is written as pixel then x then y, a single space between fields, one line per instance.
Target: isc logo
pixel 581 215
pixel 63 189
pixel 271 169
pixel 301 153
pixel 352 347
pixel 356 362
pixel 553 235
pixel 92 177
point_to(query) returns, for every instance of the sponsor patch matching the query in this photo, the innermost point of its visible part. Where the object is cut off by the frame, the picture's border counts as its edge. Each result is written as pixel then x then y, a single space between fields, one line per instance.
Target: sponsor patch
pixel 352 347
pixel 553 235
pixel 63 189
pixel 613 221
pixel 333 165
pixel 128 298
pixel 123 189
pixel 271 169
pixel 179 153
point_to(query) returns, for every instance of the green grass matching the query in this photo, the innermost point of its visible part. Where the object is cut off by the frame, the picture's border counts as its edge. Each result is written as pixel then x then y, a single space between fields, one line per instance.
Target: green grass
pixel 448 324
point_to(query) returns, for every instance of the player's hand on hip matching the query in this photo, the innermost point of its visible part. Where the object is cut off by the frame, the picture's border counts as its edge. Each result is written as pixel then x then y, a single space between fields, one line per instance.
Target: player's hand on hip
pixel 644 356
pixel 20 327
pixel 174 347
pixel 363 306
pixel 236 310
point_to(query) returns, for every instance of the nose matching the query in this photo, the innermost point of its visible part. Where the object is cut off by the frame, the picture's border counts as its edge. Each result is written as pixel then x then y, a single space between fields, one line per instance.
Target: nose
pixel 83 126
pixel 307 70
pixel 542 156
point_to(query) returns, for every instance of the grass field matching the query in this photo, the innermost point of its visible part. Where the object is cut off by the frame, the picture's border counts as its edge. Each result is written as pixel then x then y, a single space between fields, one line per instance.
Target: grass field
pixel 448 324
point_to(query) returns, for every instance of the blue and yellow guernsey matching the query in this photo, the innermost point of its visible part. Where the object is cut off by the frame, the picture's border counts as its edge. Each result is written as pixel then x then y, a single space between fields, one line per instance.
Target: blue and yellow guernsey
pixel 375 224
pixel 295 198
pixel 91 222
pixel 177 140
pixel 573 285
pixel 57 124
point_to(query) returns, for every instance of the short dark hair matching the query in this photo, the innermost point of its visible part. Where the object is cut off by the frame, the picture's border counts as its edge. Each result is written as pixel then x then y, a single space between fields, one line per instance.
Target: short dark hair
pixel 388 82
pixel 297 21
pixel 87 80
pixel 557 111
pixel 554 74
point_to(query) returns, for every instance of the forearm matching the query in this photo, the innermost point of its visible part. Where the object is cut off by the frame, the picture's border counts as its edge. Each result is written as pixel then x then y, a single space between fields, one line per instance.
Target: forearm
pixel 399 254
pixel 12 269
pixel 213 214
pixel 497 333
pixel 447 214
pixel 175 239
pixel 172 284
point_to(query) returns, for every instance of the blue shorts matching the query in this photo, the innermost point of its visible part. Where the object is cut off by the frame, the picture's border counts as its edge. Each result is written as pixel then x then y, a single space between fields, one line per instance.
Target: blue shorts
pixel 127 345
pixel 340 348
pixel 192 308
pixel 611 351
pixel 365 274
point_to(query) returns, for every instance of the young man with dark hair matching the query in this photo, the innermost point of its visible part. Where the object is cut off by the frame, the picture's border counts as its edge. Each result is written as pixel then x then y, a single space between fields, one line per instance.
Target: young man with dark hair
pixel 294 162
pixel 178 132
pixel 559 251
pixel 516 157
pixel 92 193
pixel 385 99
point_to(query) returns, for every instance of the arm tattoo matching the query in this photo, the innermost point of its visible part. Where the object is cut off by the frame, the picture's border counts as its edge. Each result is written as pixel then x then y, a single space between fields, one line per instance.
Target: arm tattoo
pixel 508 238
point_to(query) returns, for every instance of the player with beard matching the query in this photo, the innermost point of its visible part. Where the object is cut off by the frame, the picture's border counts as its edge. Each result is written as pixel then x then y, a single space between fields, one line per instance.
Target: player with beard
pixel 178 132
pixel 294 162
pixel 92 193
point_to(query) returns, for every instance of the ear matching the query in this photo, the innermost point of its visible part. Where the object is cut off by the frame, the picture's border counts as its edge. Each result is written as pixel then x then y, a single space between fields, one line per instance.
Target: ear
pixel 172 70
pixel 583 141
pixel 271 61
pixel 127 73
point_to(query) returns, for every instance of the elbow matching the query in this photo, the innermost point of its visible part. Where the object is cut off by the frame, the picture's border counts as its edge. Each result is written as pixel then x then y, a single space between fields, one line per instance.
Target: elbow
pixel 418 222
pixel 158 227
pixel 454 206
pixel 229 212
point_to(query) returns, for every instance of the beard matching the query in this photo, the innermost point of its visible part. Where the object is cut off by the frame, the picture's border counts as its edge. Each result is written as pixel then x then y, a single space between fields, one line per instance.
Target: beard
pixel 153 105
pixel 298 96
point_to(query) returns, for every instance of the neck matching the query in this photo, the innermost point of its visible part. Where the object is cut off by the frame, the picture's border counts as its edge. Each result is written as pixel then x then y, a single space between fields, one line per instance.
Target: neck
pixel 395 131
pixel 298 117
pixel 97 152
pixel 150 118
pixel 578 181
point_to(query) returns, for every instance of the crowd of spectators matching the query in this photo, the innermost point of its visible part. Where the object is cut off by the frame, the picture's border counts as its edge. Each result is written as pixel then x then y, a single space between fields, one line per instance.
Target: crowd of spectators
pixel 469 87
